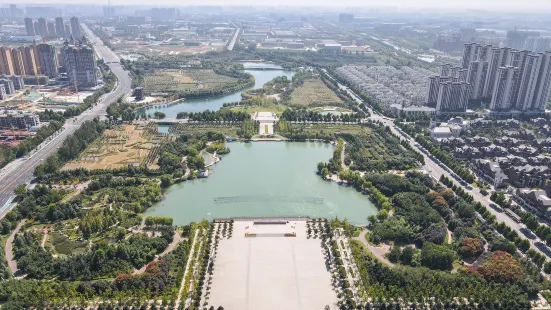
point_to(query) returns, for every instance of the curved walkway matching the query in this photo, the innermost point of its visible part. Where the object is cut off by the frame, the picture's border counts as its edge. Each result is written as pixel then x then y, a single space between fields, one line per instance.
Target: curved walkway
pixel 9 247
pixel 377 251
pixel 175 240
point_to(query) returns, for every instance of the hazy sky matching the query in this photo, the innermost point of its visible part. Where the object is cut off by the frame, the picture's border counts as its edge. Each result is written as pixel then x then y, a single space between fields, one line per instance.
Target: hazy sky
pixel 494 5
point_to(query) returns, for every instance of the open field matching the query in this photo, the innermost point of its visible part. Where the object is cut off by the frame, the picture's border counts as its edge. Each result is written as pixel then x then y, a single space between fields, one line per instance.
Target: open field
pixel 120 147
pixel 314 92
pixel 332 128
pixel 185 80
pixel 225 129
pixel 274 108
pixel 271 271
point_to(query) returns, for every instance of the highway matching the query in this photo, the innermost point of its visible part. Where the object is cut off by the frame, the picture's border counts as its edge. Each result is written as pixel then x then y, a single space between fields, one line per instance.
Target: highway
pixel 23 173
pixel 234 38
pixel 437 170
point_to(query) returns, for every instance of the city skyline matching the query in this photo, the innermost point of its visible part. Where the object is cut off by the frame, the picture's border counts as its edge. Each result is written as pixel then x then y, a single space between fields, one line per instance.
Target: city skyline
pixel 493 5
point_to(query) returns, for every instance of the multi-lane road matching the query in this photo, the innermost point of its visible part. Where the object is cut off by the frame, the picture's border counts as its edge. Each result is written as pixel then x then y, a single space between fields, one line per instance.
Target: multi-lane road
pixel 23 172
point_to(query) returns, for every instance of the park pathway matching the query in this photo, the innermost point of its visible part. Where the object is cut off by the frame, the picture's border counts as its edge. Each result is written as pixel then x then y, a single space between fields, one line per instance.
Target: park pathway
pixel 342 156
pixel 175 240
pixel 9 247
pixel 189 260
pixel 377 251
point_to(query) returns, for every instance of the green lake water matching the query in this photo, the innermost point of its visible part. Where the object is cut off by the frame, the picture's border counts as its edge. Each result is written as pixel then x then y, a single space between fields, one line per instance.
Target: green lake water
pixel 215 103
pixel 265 179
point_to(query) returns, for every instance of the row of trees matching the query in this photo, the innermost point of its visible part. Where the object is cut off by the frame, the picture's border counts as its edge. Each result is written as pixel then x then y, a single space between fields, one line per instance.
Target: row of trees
pixel 9 153
pixel 71 148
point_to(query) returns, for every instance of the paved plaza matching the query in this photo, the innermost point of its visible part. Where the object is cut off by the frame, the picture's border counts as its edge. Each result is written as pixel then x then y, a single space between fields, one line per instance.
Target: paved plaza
pixel 271 271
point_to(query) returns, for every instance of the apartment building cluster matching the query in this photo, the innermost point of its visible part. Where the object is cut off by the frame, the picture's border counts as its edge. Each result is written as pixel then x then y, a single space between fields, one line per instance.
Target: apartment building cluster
pixel 52 28
pixel 511 80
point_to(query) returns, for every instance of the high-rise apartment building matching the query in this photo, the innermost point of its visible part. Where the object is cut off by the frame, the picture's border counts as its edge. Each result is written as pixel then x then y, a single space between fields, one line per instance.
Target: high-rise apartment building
pixel 512 80
pixel 30 59
pixel 80 63
pixel 29 27
pixel 18 65
pixel 75 27
pixel 453 97
pixel 477 77
pixel 67 30
pixel 47 56
pixel 434 88
pixel 6 62
pixel 470 53
pixel 59 27
pixel 42 28
pixel 51 29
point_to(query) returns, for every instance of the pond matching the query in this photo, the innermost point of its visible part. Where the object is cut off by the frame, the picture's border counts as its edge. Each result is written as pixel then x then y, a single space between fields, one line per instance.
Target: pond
pixel 215 103
pixel 265 179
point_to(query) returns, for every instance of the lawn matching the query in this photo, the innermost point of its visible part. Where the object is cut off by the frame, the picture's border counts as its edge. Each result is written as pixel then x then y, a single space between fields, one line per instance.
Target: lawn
pixel 313 92
pixel 274 108
pixel 185 80
pixel 225 129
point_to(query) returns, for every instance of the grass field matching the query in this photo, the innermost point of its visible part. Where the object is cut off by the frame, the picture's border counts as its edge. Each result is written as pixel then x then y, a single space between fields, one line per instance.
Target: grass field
pixel 314 92
pixel 225 129
pixel 332 129
pixel 185 80
pixel 274 108
pixel 120 147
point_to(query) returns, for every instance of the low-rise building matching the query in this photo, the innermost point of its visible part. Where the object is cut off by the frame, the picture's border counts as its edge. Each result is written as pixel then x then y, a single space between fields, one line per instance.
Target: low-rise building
pixel 21 121
pixel 491 172
pixel 266 121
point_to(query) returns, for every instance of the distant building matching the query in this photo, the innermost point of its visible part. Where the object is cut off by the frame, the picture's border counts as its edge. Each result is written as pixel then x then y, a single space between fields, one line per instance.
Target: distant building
pixel 59 27
pixel 29 27
pixel 80 63
pixel 21 121
pixel 75 27
pixel 18 65
pixel 51 29
pixel 18 81
pixel 6 62
pixel 30 59
pixel 67 31
pixel 8 86
pixel 346 18
pixel 47 56
pixel 42 27
pixel 3 95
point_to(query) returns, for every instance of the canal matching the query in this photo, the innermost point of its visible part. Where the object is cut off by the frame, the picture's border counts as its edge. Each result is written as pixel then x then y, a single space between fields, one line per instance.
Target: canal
pixel 215 103
pixel 265 179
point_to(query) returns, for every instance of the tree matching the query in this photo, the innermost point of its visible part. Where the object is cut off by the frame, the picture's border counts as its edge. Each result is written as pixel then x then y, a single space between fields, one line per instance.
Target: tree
pixel 501 267
pixel 20 190
pixel 471 247
pixel 159 115
pixel 394 254
pixel 436 256
pixel 166 180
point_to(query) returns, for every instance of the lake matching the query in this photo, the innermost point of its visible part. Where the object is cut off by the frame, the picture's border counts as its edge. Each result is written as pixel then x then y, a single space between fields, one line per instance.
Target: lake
pixel 265 179
pixel 215 103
